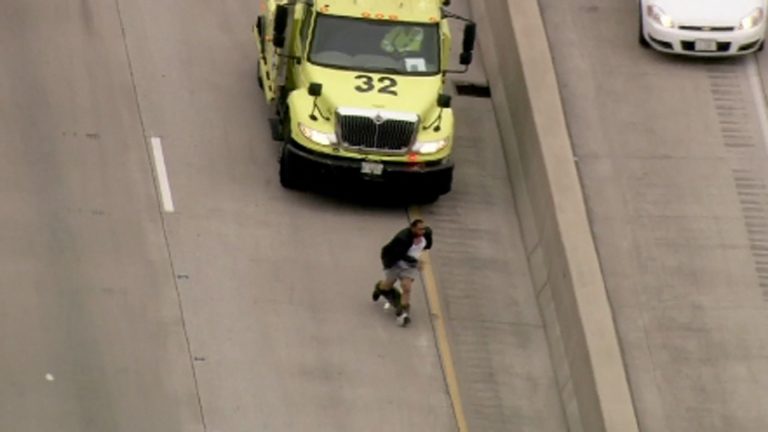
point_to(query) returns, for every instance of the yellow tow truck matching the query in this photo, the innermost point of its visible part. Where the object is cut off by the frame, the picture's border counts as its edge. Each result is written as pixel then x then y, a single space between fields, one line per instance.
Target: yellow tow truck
pixel 357 88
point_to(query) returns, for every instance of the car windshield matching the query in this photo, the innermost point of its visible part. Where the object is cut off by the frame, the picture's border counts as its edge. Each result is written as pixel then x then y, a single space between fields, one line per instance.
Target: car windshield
pixel 376 45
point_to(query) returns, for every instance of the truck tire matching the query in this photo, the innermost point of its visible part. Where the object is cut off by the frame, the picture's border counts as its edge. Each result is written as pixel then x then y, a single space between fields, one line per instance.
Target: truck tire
pixel 429 194
pixel 258 75
pixel 290 176
pixel 427 197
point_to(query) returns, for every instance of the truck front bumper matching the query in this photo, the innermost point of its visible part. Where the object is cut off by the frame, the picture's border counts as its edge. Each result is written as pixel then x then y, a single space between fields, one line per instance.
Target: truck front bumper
pixel 432 177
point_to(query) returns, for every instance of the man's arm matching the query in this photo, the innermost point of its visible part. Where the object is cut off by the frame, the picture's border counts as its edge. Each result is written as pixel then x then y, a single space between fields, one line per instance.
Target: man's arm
pixel 428 238
pixel 396 249
pixel 404 242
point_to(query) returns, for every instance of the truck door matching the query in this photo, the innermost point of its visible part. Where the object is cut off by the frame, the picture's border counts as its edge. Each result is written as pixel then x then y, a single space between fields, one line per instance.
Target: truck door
pixel 301 47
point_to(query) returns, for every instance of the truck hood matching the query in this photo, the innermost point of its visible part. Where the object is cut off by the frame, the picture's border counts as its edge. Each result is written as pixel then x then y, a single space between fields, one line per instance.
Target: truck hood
pixel 391 92
pixel 708 12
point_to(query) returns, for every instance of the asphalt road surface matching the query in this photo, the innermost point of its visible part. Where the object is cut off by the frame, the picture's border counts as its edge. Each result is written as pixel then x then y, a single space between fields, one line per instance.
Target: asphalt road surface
pixel 672 156
pixel 156 277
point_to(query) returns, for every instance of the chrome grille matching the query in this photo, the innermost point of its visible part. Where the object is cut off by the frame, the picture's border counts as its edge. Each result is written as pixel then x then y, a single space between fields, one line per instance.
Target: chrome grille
pixel 380 131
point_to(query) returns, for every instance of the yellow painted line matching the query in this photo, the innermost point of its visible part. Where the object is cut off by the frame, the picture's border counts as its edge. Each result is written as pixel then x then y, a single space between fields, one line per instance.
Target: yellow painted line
pixel 444 348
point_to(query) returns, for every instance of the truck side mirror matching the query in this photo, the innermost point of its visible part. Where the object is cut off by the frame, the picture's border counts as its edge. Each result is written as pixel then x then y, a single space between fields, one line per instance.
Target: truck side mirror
pixel 315 89
pixel 281 22
pixel 465 58
pixel 443 100
pixel 468 44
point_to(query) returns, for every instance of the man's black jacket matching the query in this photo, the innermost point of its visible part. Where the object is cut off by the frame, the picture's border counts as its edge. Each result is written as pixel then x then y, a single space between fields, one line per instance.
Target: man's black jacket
pixel 397 248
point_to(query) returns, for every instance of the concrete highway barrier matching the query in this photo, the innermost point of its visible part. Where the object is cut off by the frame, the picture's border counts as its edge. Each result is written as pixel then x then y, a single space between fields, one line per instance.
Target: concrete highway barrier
pixel 561 252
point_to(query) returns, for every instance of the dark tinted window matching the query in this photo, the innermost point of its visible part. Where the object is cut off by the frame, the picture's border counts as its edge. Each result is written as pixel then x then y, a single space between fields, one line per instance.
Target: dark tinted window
pixel 376 45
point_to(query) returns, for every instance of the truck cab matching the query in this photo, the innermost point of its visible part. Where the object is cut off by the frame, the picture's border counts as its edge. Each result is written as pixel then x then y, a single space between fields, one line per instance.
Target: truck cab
pixel 357 88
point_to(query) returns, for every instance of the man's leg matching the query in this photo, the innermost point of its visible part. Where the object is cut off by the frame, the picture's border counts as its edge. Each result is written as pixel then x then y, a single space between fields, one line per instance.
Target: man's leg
pixel 405 284
pixel 404 309
pixel 385 287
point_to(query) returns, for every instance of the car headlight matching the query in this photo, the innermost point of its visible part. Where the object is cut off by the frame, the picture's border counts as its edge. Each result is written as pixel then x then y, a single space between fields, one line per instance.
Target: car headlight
pixel 427 147
pixel 316 136
pixel 657 14
pixel 752 20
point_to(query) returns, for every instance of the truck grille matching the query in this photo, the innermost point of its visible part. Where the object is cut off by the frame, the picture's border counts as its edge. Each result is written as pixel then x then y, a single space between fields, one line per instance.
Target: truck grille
pixel 379 131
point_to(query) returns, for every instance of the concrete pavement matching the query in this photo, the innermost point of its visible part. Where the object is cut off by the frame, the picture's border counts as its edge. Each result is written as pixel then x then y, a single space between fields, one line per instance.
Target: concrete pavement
pixel 672 160
pixel 89 318
pixel 497 333
pixel 248 306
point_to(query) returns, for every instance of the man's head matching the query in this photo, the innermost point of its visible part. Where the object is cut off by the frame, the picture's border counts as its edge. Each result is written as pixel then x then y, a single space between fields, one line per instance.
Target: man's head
pixel 418 228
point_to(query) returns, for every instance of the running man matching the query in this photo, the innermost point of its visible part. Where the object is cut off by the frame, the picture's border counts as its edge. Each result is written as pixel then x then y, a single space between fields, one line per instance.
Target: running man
pixel 400 258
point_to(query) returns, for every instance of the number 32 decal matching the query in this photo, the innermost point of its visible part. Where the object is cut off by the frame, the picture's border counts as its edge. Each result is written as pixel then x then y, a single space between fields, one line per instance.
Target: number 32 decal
pixel 387 84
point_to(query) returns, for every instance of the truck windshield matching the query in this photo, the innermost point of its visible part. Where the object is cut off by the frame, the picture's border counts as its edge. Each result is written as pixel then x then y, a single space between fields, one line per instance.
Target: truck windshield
pixel 376 45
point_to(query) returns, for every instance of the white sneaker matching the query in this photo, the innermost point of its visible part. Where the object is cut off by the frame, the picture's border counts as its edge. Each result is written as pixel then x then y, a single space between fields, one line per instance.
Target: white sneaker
pixel 403 319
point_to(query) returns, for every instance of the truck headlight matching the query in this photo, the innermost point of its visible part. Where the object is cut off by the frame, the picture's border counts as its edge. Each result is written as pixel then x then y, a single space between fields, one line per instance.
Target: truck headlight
pixel 655 13
pixel 752 20
pixel 426 147
pixel 316 136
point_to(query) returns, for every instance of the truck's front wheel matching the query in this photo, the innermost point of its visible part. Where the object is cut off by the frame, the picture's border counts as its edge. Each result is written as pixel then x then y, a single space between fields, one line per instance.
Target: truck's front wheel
pixel 439 186
pixel 430 193
pixel 428 197
pixel 290 176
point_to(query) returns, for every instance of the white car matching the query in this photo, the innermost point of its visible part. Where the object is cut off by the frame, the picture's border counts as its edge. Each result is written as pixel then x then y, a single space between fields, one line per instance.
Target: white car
pixel 703 27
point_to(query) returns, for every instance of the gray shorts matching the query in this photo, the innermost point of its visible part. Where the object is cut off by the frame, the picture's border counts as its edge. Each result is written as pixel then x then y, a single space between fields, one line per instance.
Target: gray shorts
pixel 401 270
